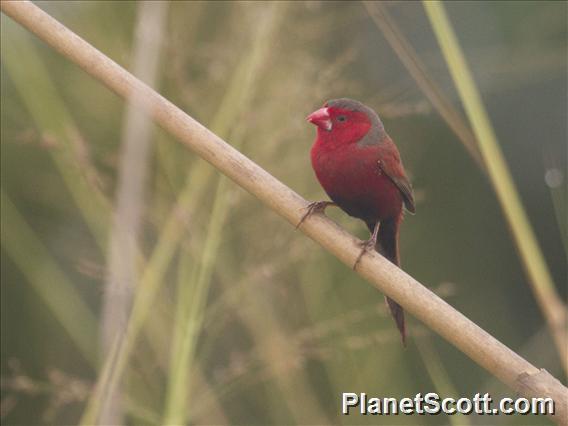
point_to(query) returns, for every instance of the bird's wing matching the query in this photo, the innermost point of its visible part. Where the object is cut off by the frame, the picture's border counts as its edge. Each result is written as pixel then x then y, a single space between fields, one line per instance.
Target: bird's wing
pixel 398 177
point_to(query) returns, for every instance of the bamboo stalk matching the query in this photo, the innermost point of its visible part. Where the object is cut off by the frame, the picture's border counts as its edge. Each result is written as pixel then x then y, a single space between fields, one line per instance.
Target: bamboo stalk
pixel 540 278
pixel 483 348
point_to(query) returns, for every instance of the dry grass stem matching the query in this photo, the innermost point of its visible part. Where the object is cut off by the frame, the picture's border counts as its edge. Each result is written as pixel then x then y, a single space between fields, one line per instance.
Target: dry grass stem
pixel 411 60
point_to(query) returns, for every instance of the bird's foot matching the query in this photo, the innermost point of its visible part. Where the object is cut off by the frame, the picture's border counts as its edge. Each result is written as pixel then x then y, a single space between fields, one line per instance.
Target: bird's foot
pixel 315 207
pixel 366 246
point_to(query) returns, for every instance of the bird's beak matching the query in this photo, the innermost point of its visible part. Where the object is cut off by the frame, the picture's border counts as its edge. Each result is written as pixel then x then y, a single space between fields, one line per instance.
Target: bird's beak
pixel 320 118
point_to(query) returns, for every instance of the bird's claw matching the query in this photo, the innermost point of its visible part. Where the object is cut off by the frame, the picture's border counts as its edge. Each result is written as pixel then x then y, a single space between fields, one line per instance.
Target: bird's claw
pixel 314 207
pixel 366 246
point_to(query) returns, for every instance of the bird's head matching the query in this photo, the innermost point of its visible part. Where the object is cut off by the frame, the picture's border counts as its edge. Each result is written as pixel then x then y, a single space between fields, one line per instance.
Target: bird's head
pixel 347 121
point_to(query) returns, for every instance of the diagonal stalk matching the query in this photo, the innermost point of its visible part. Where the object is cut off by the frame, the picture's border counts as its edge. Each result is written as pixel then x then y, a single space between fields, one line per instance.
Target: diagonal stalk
pixel 49 282
pixel 410 59
pixel 30 77
pixel 533 260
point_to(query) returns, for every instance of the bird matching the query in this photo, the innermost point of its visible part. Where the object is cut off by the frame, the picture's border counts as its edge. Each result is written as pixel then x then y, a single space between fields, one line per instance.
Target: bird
pixel 359 167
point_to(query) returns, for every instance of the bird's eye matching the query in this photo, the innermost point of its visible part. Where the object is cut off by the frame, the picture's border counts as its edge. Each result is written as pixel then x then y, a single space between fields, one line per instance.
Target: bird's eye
pixel 341 118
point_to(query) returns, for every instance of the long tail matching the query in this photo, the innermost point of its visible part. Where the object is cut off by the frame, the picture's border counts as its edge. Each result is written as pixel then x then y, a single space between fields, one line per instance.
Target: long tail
pixel 387 245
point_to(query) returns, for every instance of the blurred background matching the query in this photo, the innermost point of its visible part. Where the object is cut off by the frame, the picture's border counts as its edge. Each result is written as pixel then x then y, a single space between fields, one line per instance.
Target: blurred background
pixel 239 319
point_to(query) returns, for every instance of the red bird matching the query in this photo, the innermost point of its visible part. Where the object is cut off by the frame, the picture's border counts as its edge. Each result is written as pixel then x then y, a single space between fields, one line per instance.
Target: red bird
pixel 359 167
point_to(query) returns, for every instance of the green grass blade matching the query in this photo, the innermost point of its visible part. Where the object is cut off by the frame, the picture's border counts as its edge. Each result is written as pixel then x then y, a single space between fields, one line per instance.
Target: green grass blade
pixel 441 380
pixel 31 78
pixel 193 302
pixel 48 281
pixel 523 234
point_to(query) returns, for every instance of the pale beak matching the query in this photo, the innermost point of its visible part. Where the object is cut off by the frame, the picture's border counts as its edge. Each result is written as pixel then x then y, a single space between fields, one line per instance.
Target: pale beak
pixel 320 118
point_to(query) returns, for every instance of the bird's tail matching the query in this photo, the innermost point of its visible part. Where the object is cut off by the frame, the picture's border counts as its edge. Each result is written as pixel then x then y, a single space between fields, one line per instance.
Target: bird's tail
pixel 387 245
